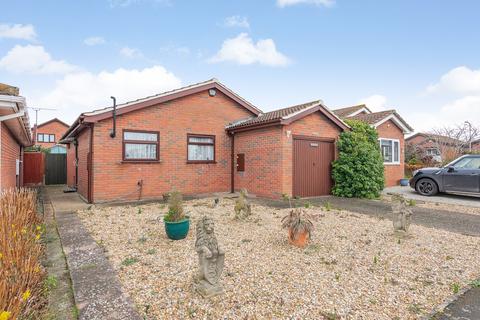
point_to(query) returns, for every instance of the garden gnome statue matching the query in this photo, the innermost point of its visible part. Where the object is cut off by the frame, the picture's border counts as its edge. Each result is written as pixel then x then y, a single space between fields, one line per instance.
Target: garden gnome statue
pixel 402 215
pixel 210 258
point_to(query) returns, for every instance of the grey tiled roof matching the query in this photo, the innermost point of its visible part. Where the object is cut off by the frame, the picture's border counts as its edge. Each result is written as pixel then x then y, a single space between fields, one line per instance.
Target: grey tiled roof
pixel 345 112
pixel 273 115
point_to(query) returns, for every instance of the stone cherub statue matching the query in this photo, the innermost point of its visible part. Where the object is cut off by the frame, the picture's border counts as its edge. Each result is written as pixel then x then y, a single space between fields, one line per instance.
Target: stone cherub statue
pixel 402 215
pixel 210 257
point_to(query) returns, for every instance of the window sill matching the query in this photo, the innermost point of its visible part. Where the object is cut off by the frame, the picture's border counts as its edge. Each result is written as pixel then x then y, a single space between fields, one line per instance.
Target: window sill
pixel 391 163
pixel 141 161
pixel 201 162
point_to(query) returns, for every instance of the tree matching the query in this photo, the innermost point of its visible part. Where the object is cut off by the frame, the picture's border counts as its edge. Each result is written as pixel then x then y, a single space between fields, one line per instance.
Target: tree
pixel 358 171
pixel 453 141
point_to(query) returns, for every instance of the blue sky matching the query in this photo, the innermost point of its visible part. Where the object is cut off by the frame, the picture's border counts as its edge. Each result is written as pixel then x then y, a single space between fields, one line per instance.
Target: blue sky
pixel 420 57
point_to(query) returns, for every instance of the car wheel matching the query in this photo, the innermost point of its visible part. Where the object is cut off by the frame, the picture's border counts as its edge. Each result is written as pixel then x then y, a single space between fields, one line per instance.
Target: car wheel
pixel 426 187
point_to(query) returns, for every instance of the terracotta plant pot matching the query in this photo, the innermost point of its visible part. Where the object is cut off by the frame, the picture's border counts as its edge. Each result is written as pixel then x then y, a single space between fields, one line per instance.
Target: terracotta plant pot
pixel 300 241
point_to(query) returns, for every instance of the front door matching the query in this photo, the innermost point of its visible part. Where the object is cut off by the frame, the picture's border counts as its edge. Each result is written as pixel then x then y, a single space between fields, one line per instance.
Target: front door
pixel 312 161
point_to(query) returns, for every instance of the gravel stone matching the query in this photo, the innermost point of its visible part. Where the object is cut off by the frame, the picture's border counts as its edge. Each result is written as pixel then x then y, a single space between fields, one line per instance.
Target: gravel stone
pixel 355 267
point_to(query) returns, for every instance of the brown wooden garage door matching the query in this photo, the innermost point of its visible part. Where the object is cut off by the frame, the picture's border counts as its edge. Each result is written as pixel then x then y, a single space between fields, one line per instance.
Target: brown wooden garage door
pixel 312 162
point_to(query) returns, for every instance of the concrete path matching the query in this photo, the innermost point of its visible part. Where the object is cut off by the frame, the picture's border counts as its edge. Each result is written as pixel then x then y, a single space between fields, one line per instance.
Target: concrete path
pixel 409 193
pixel 61 303
pixel 96 288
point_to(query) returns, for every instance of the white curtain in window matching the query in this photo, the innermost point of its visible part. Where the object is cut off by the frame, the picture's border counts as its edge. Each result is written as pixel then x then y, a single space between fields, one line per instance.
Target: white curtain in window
pixel 200 139
pixel 140 151
pixel 200 152
pixel 139 136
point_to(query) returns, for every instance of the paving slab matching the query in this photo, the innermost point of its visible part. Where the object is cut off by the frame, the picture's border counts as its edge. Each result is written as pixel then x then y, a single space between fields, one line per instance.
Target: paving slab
pixel 97 291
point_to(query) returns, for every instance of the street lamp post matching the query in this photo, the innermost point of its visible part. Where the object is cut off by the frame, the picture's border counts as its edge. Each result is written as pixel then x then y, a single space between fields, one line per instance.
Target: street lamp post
pixel 469 135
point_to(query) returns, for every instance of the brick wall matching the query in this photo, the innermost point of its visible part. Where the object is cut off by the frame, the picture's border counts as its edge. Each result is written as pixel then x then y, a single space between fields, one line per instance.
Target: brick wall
pixel 269 154
pixel 393 172
pixel 54 127
pixel 263 161
pixel 315 125
pixel 198 113
pixel 83 151
pixel 9 152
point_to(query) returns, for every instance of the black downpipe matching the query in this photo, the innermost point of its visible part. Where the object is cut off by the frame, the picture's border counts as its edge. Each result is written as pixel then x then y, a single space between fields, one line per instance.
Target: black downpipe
pixel 114 130
pixel 75 144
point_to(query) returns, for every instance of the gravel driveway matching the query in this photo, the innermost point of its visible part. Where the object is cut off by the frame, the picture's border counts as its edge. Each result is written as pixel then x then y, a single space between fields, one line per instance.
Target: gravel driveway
pixel 409 193
pixel 463 223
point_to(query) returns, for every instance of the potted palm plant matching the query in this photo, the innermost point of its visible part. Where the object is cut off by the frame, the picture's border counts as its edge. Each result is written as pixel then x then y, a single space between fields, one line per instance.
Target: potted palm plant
pixel 177 223
pixel 299 227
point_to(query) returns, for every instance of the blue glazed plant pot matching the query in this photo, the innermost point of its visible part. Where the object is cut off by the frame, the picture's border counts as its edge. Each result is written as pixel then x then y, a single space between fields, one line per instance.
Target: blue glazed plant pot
pixel 404 182
pixel 177 230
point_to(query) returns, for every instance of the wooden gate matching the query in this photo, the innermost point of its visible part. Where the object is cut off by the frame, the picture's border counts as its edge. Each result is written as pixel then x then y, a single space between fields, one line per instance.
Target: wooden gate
pixel 312 162
pixel 33 168
pixel 55 168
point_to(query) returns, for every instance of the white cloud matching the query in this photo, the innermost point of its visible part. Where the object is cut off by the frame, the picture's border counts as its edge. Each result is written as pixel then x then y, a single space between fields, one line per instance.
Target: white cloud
pixel 18 31
pixel 93 41
pixel 236 21
pixel 463 109
pixel 459 80
pixel 285 3
pixel 464 84
pixel 84 91
pixel 375 102
pixel 131 53
pixel 244 51
pixel 32 59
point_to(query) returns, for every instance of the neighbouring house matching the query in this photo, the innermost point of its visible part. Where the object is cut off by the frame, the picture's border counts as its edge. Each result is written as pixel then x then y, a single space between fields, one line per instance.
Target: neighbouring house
pixel 438 147
pixel 476 145
pixel 203 138
pixel 14 136
pixel 391 128
pixel 48 134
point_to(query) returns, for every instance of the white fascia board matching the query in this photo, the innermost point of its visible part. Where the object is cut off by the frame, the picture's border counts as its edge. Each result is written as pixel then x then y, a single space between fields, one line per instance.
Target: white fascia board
pixel 359 111
pixel 395 119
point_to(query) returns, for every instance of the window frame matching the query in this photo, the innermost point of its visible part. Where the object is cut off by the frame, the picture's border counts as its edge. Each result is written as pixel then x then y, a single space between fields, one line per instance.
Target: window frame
pixel 195 135
pixel 124 142
pixel 46 137
pixel 393 162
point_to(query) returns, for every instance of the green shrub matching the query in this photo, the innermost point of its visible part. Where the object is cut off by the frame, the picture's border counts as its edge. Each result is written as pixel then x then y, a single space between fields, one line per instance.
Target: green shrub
pixel 175 207
pixel 358 171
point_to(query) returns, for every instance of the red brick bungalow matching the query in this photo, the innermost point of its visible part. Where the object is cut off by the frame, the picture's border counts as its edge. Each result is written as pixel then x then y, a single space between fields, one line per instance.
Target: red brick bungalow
pixel 391 130
pixel 14 137
pixel 198 139
pixel 48 134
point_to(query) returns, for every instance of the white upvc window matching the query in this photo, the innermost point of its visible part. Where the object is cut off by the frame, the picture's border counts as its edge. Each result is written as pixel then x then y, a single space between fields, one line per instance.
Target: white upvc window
pixel 390 149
